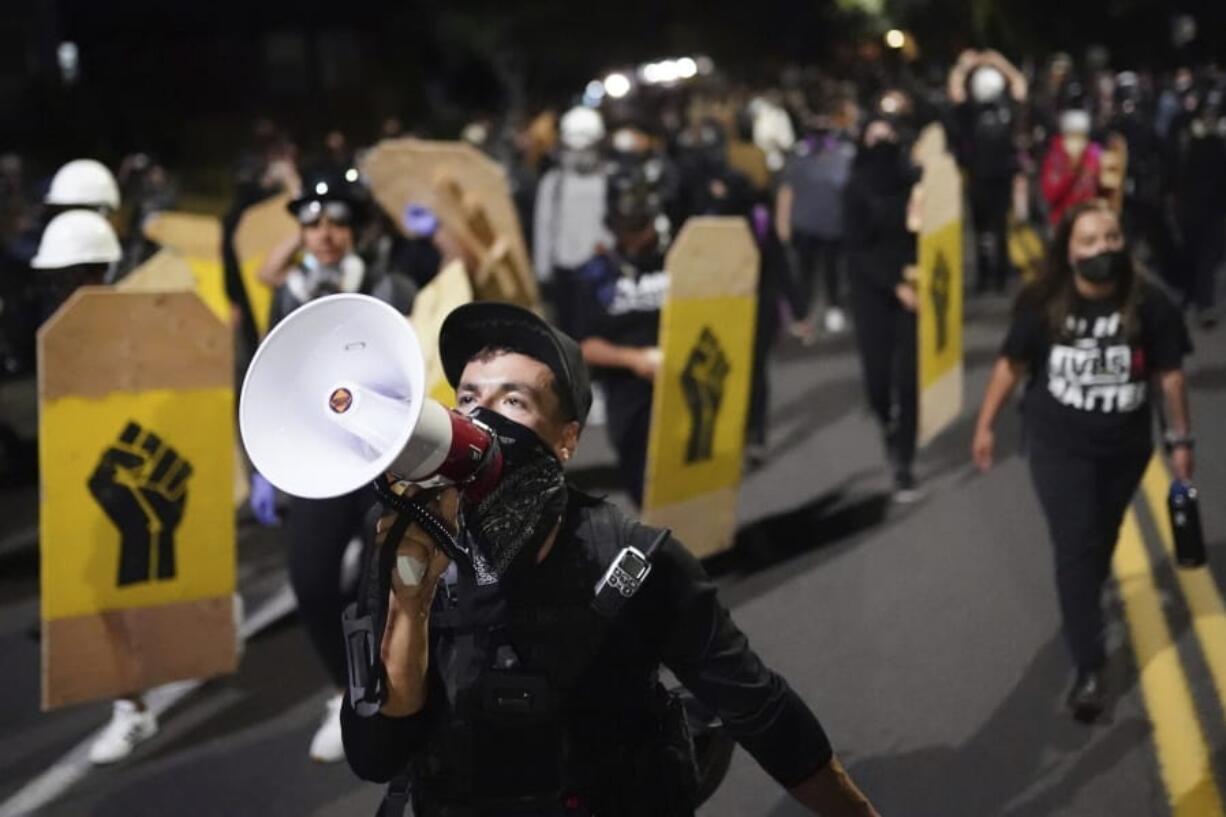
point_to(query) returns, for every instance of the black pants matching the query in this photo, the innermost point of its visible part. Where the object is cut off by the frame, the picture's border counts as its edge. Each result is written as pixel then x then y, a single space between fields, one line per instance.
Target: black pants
pixel 319 530
pixel 886 330
pixel 990 212
pixel 631 448
pixel 1084 500
pixel 1203 251
pixel 815 256
pixel 774 270
pixel 1146 223
pixel 564 292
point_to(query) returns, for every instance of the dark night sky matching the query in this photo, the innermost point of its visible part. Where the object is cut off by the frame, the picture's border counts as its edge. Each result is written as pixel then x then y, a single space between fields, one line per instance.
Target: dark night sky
pixel 185 78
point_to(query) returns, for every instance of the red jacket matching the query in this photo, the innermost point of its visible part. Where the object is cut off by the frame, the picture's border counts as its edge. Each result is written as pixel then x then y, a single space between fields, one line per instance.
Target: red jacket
pixel 1066 182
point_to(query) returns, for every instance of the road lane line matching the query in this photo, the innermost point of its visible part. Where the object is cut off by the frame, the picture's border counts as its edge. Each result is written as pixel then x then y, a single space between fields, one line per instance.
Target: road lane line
pixel 75 766
pixel 1183 755
pixel 1199 589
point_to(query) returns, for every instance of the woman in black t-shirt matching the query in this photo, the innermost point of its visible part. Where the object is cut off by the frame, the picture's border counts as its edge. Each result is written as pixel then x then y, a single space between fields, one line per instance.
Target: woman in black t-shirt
pixel 1094 336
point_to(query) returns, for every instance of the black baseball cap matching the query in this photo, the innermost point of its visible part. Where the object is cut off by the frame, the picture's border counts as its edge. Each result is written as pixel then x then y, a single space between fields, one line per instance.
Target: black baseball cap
pixel 476 326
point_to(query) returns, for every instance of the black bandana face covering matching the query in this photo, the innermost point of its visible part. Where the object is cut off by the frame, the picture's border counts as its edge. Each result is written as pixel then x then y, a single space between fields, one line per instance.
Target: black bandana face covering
pixel 1107 266
pixel 507 528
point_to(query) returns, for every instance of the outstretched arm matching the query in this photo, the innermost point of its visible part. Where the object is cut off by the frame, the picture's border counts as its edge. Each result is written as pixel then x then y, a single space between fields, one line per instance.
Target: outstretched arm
pixel 276 266
pixel 832 793
pixel 711 656
pixel 956 84
pixel 1018 86
pixel 1005 376
pixel 1179 421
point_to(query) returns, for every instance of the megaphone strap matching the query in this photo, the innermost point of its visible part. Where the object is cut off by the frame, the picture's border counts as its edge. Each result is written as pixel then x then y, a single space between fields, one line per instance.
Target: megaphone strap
pixel 416 512
pixel 364 621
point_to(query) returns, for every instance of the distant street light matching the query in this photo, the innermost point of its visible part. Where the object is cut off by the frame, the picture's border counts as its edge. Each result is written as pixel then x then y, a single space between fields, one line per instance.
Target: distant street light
pixel 69 59
pixel 617 85
pixel 895 38
pixel 593 93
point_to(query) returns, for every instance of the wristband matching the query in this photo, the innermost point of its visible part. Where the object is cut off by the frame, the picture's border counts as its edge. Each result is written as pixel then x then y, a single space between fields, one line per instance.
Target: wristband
pixel 1174 441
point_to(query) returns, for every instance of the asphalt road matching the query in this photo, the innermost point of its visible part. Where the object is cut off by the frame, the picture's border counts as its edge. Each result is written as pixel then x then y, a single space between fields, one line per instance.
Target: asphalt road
pixel 926 637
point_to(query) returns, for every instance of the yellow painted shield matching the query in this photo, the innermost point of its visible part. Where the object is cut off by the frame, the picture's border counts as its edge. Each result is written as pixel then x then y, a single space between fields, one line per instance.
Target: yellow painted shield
pixel 196 239
pixel 939 286
pixel 136 452
pixel 701 395
pixel 262 227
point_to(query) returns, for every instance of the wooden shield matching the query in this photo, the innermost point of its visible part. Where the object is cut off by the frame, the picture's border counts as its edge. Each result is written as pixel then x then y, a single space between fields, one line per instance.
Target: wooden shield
pixel 1113 171
pixel 448 290
pixel 165 271
pixel 168 271
pixel 939 286
pixel 262 227
pixel 197 241
pixel 136 448
pixel 701 394
pixel 469 193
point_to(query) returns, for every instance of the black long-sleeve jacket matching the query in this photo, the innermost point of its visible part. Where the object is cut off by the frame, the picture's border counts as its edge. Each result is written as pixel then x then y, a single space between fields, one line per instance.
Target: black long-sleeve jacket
pixel 675 620
pixel 878 242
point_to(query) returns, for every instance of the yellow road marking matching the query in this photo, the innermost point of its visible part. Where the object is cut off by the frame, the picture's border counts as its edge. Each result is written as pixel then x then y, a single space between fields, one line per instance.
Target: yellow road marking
pixel 1199 588
pixel 1183 755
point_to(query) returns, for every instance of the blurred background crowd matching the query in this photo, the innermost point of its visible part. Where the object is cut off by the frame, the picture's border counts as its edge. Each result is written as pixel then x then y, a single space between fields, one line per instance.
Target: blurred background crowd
pixel 780 114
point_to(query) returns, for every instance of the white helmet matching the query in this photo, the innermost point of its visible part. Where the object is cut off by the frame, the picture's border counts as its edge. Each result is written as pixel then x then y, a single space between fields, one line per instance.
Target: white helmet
pixel 987 84
pixel 581 128
pixel 84 183
pixel 1075 121
pixel 76 237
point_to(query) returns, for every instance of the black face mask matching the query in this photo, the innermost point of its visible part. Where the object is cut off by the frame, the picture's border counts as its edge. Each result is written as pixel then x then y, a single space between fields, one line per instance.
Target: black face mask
pixel 1106 267
pixel 507 528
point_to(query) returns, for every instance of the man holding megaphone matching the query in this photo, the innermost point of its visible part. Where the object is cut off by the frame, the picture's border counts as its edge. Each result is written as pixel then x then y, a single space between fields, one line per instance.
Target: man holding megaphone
pixel 505 648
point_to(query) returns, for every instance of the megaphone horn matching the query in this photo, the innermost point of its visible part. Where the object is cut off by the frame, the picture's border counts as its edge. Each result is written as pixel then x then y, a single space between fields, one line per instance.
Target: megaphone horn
pixel 335 398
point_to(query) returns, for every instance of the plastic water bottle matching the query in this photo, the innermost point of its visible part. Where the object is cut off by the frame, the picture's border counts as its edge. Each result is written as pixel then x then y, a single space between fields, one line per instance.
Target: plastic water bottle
pixel 1185 523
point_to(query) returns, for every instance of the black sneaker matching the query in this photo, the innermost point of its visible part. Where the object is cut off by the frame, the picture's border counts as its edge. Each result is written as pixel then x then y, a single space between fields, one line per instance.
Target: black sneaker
pixel 1087 700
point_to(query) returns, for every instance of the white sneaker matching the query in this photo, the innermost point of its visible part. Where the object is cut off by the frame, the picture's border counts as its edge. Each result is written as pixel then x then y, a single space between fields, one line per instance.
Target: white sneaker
pixel 327 746
pixel 598 414
pixel 836 321
pixel 128 728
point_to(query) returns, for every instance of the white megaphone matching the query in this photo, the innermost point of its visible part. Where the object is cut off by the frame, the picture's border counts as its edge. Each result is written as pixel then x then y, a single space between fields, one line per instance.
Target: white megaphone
pixel 335 397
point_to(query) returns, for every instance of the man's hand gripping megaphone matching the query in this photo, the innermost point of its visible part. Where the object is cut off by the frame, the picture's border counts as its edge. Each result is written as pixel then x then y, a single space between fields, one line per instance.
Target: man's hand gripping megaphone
pixel 420 558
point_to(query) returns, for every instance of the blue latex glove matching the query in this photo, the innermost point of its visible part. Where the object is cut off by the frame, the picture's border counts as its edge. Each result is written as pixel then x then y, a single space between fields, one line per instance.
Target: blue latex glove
pixel 264 501
pixel 420 220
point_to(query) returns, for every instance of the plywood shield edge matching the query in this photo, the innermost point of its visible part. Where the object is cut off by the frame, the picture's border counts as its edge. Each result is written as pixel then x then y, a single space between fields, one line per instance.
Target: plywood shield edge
pixel 166 271
pixel 409 170
pixel 103 340
pixel 86 658
pixel 705 525
pixel 263 226
pixel 192 234
pixel 724 246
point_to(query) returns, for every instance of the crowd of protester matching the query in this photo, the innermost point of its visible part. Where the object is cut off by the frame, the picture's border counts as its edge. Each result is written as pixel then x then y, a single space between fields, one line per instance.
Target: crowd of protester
pixel 819 165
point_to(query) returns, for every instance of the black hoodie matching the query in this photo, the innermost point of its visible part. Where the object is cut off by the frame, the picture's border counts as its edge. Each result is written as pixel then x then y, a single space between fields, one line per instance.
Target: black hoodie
pixel 875 216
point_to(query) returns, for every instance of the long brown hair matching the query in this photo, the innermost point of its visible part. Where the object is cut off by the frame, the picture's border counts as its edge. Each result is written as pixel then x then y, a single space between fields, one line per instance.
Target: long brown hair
pixel 1055 294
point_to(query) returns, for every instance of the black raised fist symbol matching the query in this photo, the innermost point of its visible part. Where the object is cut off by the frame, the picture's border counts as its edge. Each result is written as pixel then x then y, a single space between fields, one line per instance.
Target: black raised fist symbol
pixel 141 484
pixel 940 300
pixel 702 382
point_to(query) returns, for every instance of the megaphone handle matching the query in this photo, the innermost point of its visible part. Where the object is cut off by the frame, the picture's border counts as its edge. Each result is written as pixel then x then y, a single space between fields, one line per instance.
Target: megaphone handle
pixel 406 506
